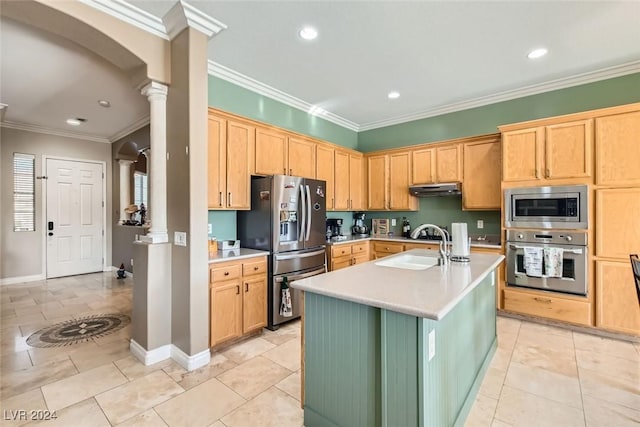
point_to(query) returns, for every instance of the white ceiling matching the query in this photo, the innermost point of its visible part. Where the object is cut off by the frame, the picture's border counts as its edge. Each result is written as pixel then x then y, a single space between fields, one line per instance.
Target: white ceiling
pixel 441 56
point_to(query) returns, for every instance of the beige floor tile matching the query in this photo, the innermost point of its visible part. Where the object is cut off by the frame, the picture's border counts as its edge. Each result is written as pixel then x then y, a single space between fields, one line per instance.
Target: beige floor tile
pixel 292 385
pixel 44 355
pixel 83 414
pixel 39 308
pixel 16 410
pixel 14 362
pixel 65 310
pixel 618 348
pixel 253 377
pixel 247 349
pixel 544 383
pixel 507 340
pixel 31 327
pixel 482 412
pixel 545 329
pixel 135 397
pixel 14 343
pixel 492 383
pixel 148 418
pixel 79 387
pixel 287 332
pixel 90 358
pixel 501 359
pixel 18 382
pixel 624 391
pixel 218 424
pixel 132 368
pixel 287 355
pixel 560 361
pixel 122 334
pixel 6 313
pixel 538 336
pixel 498 423
pixel 600 413
pixel 22 320
pixel 523 409
pixel 273 408
pixel 611 365
pixel 200 406
pixel 508 325
pixel 189 379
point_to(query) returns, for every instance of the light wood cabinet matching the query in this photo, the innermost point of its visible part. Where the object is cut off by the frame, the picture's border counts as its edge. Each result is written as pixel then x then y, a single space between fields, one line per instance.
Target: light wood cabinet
pixel 449 163
pixel 481 171
pixel 356 184
pixel 544 304
pixel 229 174
pixel 238 298
pixel 348 181
pixel 618 149
pixel 377 179
pixel 616 299
pixel 270 152
pixel 617 223
pixel 383 248
pixel 424 166
pixel 347 254
pixel 399 179
pixel 301 157
pixel 325 170
pixel 558 151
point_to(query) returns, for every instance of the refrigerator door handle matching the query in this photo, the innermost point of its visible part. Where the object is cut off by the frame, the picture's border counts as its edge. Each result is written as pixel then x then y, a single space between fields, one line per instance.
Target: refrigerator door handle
pixel 303 210
pixel 308 213
pixel 302 255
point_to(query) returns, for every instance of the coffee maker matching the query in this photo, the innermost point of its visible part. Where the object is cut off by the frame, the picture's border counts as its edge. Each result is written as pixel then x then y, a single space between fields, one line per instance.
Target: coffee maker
pixel 359 228
pixel 334 227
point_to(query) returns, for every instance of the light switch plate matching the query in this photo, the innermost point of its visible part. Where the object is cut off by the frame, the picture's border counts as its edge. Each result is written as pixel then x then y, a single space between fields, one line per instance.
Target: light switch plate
pixel 480 224
pixel 180 238
pixel 210 229
pixel 432 344
pixel 393 222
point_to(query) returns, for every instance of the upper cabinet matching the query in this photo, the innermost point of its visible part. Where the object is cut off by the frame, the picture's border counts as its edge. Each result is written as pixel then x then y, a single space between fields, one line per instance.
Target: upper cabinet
pixel 481 165
pixel 424 166
pixel 618 149
pixel 559 151
pixel 437 164
pixel 377 179
pixel 231 145
pixel 356 182
pixel 270 152
pixel 388 180
pixel 325 170
pixel 301 157
pixel 348 182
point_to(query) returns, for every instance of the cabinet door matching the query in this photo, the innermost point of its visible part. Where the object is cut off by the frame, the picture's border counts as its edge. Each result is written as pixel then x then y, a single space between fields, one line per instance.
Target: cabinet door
pixel 270 151
pixel 356 185
pixel 568 150
pixel 325 171
pixel 240 143
pixel 342 262
pixel 254 303
pixel 342 181
pixel 617 226
pixel 449 163
pixel 301 157
pixel 481 186
pixel 399 178
pixel 377 182
pixel 424 166
pixel 521 154
pixel 217 138
pixel 618 149
pixel 226 311
pixel 616 299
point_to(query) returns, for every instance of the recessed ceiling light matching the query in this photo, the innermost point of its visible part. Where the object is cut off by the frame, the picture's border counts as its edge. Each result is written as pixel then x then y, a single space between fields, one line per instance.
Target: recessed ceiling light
pixel 104 103
pixel 393 95
pixel 537 53
pixel 308 33
pixel 76 122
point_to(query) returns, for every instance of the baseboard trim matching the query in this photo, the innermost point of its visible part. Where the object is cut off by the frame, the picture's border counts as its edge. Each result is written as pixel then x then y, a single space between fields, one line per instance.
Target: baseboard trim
pixel 190 363
pixel 21 279
pixel 149 357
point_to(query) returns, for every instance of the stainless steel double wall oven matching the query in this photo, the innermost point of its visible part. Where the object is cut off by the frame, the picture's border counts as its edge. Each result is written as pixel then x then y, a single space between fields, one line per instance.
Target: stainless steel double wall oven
pixel 547 220
pixel 287 218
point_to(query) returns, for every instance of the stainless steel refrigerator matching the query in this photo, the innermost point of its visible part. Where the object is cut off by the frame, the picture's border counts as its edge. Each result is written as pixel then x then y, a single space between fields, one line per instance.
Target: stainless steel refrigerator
pixel 287 218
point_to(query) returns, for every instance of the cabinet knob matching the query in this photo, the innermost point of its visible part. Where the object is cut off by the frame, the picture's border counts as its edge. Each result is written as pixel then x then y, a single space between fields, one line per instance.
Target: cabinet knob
pixel 246 287
pixel 226 273
pixel 237 289
pixel 547 173
pixel 255 268
pixel 220 199
pixel 544 300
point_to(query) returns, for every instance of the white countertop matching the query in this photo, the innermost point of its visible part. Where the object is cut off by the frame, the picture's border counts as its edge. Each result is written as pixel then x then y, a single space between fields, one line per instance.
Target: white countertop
pixel 351 239
pixel 234 254
pixel 429 293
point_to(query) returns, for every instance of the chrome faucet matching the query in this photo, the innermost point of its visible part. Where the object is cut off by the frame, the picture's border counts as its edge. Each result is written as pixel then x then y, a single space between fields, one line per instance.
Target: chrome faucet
pixel 444 253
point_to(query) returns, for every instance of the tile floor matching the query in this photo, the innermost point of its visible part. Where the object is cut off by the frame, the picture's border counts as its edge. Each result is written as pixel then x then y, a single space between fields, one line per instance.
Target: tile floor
pixel 540 375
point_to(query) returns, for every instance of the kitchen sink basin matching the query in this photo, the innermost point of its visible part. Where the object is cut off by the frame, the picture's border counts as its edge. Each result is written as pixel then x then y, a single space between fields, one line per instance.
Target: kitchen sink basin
pixel 409 262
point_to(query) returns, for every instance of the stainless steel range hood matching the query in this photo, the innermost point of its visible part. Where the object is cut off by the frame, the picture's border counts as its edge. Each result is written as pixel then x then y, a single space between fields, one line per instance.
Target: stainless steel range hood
pixel 430 190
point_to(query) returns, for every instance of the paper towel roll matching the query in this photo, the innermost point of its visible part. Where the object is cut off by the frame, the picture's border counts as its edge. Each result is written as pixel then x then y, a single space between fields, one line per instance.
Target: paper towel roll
pixel 460 239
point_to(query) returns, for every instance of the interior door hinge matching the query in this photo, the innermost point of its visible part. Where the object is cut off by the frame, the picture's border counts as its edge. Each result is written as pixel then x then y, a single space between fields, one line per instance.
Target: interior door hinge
pixel 103 203
pixel 102 175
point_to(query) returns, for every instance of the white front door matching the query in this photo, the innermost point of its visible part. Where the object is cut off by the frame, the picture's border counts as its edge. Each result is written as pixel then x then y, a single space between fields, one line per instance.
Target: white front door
pixel 74 217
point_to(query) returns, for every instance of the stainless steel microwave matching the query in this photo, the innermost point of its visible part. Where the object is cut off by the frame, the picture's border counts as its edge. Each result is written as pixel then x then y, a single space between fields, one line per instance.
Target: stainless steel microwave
pixel 547 207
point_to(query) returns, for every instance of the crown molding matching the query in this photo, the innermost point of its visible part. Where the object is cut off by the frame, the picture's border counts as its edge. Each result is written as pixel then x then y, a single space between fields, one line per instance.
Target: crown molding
pixel 183 15
pixel 140 123
pixel 563 83
pixel 51 131
pixel 225 73
pixel 131 14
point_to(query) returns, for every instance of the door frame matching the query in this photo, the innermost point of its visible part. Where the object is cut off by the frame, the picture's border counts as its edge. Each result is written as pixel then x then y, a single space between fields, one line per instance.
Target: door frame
pixel 43 208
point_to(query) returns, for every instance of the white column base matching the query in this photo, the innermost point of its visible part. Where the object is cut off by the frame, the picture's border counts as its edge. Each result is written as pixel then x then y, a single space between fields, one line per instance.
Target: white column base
pixel 155 238
pixel 149 357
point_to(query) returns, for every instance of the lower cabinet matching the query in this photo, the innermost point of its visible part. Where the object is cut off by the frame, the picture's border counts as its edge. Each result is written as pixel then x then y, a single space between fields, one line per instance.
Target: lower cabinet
pixel 542 304
pixel 616 299
pixel 347 254
pixel 238 298
pixel 382 249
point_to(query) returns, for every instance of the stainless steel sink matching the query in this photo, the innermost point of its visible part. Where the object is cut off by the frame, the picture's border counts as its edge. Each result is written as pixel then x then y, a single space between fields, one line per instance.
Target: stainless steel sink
pixel 409 262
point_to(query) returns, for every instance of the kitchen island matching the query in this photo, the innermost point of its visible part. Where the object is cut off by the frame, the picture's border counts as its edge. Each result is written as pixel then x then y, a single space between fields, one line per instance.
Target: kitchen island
pixel 388 346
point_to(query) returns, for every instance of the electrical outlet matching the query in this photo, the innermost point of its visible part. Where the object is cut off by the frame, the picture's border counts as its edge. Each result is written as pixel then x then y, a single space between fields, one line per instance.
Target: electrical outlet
pixel 131 262
pixel 393 222
pixel 432 344
pixel 210 229
pixel 180 238
pixel 480 224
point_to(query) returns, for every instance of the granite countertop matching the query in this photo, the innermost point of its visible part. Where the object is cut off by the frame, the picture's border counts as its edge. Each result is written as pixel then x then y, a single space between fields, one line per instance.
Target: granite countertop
pixel 429 293
pixel 490 242
pixel 234 254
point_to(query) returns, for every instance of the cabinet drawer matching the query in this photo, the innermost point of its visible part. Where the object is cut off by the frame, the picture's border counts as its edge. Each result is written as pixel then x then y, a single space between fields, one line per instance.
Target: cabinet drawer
pixel 359 248
pixel 342 262
pixel 340 250
pixel 360 258
pixel 227 272
pixel 548 306
pixel 390 248
pixel 254 267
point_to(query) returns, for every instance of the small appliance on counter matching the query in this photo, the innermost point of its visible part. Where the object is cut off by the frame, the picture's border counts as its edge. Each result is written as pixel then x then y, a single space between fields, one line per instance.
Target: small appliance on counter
pixel 432 234
pixel 359 228
pixel 334 227
pixel 460 242
pixel 380 226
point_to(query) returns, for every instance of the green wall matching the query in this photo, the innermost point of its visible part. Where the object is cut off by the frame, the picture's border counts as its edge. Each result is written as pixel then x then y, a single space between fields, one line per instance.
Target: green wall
pixel 486 119
pixel 235 99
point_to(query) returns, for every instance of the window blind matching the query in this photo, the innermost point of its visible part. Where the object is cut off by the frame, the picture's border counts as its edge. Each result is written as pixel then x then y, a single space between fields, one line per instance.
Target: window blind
pixel 24 199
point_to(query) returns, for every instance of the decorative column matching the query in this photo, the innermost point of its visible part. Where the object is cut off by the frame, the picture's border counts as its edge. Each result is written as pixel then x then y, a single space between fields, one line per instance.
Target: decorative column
pixel 125 187
pixel 157 166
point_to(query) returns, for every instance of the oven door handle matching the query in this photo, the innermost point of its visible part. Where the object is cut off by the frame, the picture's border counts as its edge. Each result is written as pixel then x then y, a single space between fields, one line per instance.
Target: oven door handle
pixel 303 255
pixel 573 251
pixel 298 276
